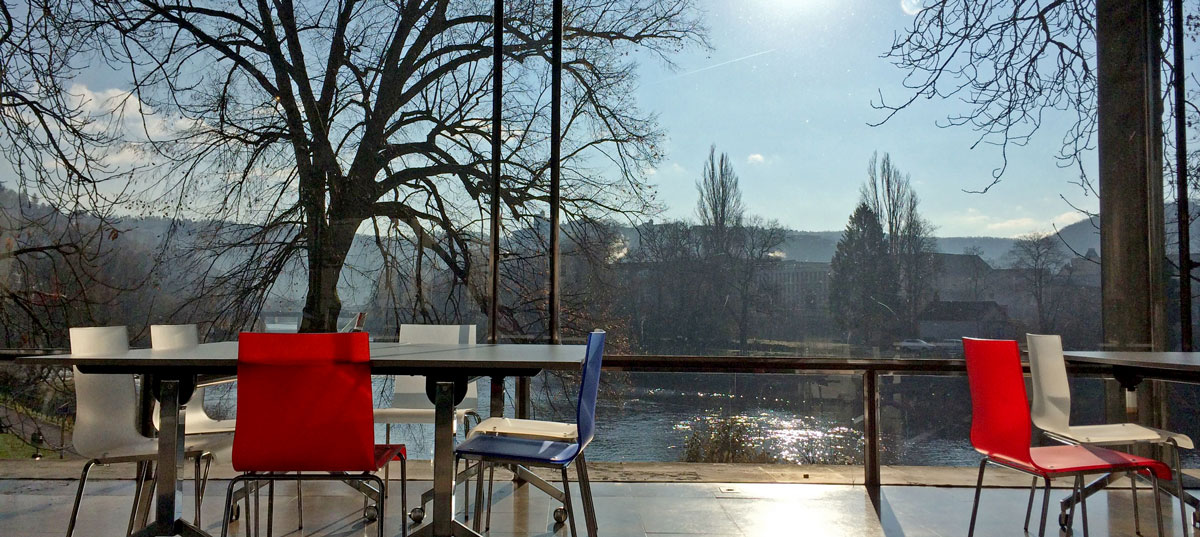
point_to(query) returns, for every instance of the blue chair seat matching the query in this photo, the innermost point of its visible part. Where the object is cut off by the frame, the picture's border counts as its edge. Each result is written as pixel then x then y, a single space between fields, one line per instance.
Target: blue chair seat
pixel 516 449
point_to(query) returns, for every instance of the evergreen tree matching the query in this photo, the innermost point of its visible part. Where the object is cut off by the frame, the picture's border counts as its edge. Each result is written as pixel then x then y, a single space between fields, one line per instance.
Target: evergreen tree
pixel 863 285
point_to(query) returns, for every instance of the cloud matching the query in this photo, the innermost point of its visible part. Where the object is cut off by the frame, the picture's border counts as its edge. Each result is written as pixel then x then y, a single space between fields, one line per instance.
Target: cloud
pixel 1068 218
pixel 972 221
pixel 755 158
pixel 1013 226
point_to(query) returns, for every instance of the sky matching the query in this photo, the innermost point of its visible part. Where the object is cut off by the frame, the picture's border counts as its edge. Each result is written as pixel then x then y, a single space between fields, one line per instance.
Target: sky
pixel 786 91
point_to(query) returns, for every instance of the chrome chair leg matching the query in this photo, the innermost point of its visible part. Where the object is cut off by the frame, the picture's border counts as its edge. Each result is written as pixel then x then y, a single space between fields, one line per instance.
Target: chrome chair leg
pixel 478 526
pixel 487 524
pixel 1045 507
pixel 975 504
pixel 1179 485
pixel 585 490
pixel 229 508
pixel 380 504
pixel 387 439
pixel 466 492
pixel 403 496
pixel 1157 503
pixel 566 481
pixel 248 516
pixel 139 480
pixel 1070 514
pixel 270 507
pixel 87 467
pixel 1137 519
pixel 1029 506
pixel 299 503
pixel 1082 504
pixel 197 496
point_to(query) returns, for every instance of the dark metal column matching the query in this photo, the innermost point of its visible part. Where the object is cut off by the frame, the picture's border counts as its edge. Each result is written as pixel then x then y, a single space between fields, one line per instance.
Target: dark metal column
pixel 1130 138
pixel 556 38
pixel 1183 217
pixel 871 429
pixel 497 108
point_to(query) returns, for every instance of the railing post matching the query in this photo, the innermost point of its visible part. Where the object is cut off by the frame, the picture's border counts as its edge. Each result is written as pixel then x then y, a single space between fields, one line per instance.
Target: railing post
pixel 871 429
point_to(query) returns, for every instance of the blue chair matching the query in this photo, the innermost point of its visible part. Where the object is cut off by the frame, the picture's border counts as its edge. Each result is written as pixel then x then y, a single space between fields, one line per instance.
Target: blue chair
pixel 490 449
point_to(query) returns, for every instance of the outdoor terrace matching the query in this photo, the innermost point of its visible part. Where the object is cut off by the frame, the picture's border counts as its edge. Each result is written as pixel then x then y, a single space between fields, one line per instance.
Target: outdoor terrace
pixel 632 500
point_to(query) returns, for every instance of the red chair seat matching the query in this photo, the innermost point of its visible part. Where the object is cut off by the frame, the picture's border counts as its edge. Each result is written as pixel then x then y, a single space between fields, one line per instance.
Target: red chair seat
pixel 1074 459
pixel 385 453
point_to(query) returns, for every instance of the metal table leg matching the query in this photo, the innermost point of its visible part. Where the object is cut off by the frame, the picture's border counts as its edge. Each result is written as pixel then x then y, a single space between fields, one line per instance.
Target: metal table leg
pixel 168 487
pixel 442 523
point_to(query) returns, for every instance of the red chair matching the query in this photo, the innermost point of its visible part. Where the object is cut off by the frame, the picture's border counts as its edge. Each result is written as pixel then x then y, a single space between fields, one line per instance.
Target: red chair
pixel 1001 430
pixel 304 406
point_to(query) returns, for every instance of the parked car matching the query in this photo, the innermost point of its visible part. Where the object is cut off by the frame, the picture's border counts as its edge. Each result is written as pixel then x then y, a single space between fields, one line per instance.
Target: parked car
pixel 951 347
pixel 916 345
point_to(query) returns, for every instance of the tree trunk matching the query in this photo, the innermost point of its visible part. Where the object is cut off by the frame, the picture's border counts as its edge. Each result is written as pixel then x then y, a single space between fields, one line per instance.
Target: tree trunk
pixel 326 255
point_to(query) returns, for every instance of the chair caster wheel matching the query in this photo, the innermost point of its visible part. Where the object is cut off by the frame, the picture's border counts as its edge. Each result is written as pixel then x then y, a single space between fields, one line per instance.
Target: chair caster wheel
pixel 371 513
pixel 1064 523
pixel 235 513
pixel 417 515
pixel 560 515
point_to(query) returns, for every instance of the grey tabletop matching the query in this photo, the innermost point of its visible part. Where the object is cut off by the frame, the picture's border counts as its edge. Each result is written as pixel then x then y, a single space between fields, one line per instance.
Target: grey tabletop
pixel 387 358
pixel 1169 361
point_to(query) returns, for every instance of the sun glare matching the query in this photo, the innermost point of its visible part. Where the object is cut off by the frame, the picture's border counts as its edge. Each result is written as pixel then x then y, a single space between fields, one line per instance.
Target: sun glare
pixel 912 7
pixel 792 8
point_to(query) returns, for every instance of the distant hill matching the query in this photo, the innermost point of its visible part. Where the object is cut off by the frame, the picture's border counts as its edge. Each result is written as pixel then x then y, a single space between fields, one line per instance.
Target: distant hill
pixel 819 246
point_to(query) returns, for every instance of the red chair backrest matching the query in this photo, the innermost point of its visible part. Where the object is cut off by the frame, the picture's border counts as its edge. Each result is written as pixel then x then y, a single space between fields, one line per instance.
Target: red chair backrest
pixel 1000 423
pixel 304 403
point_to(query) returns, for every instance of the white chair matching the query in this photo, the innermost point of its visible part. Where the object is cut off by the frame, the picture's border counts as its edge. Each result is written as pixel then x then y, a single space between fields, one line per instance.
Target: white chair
pixel 410 404
pixel 106 426
pixel 1051 412
pixel 181 336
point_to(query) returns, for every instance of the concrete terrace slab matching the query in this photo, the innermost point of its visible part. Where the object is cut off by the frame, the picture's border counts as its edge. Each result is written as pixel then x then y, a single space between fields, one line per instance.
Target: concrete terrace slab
pixel 37 508
pixel 617 472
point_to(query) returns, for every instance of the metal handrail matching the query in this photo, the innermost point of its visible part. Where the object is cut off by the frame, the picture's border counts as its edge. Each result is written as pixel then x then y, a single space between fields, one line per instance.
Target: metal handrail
pixel 870 369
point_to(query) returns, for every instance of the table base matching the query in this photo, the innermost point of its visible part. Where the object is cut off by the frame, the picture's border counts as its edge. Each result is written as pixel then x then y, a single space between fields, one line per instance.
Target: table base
pixel 1104 481
pixel 182 528
pixel 457 530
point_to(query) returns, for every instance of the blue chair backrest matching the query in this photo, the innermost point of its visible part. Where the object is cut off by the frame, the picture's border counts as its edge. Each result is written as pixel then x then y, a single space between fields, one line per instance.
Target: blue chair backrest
pixel 589 387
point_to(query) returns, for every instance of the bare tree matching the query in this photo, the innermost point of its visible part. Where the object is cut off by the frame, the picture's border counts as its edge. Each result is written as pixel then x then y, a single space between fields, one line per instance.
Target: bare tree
pixel 756 242
pixel 889 194
pixel 1010 62
pixel 297 123
pixel 720 206
pixel 1038 258
pixel 58 228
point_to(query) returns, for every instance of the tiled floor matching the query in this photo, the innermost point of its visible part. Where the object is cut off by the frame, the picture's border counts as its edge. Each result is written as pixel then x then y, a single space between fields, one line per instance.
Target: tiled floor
pixel 34 508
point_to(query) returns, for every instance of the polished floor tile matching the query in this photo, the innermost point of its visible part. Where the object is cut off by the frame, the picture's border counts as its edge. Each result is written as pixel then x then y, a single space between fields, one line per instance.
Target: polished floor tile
pixel 33 508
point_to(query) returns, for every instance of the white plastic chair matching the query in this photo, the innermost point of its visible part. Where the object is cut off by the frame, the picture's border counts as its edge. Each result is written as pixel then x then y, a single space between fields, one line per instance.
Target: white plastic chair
pixel 181 336
pixel 106 428
pixel 1051 411
pixel 410 404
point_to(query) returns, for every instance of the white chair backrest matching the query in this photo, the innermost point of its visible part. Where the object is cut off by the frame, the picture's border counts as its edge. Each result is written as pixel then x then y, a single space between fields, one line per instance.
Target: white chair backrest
pixel 174 336
pixel 446 334
pixel 1051 395
pixel 180 336
pixel 409 390
pixel 106 405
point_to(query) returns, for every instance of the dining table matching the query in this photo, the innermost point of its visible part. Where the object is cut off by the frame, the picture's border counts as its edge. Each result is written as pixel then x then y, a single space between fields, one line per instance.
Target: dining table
pixel 173 375
pixel 1130 368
